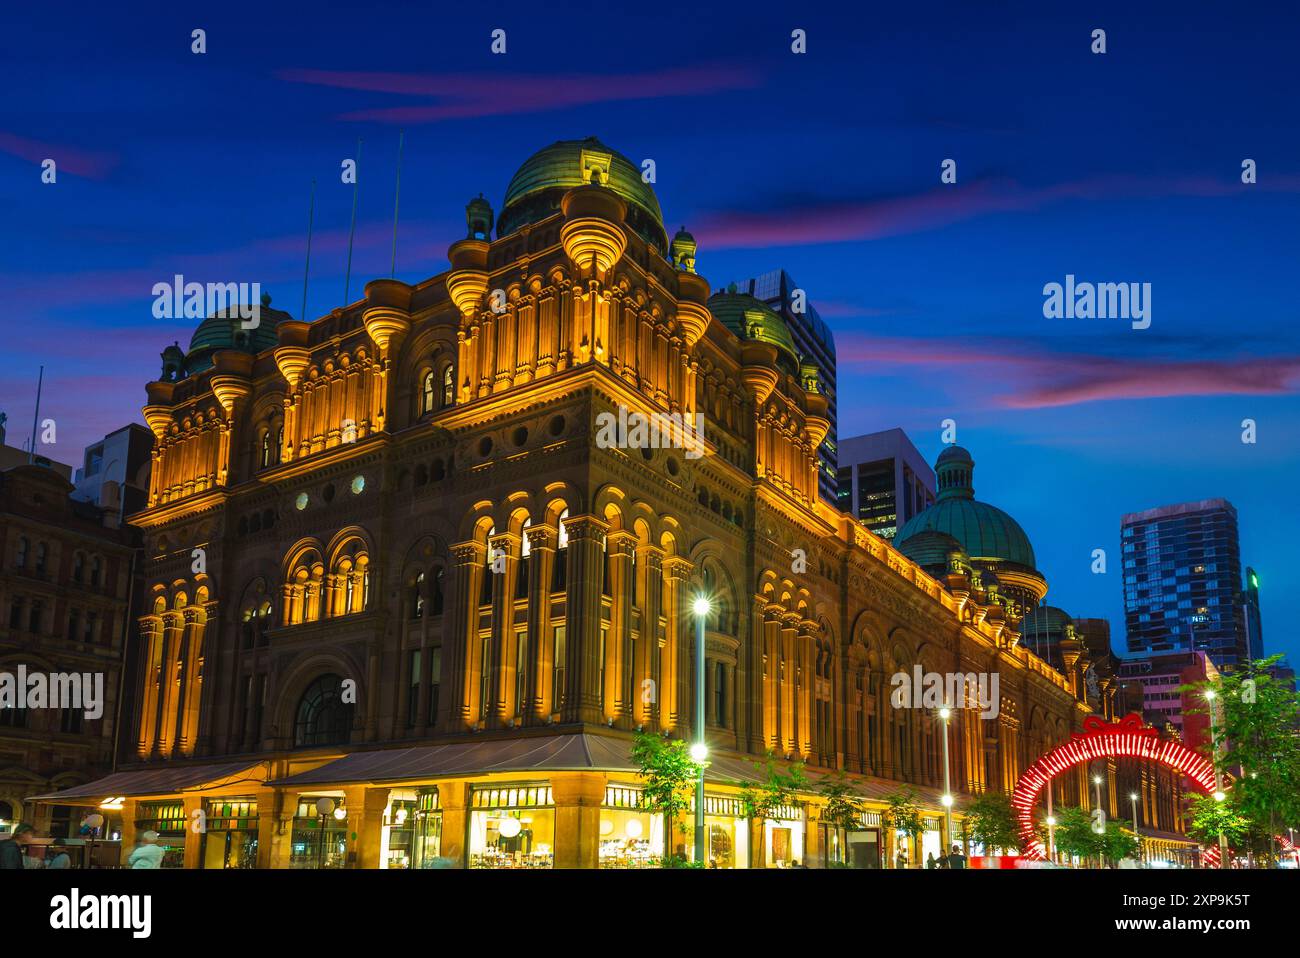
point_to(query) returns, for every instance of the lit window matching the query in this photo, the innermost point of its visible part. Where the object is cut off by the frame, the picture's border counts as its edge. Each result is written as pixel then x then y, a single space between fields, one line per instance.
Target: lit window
pixel 358 485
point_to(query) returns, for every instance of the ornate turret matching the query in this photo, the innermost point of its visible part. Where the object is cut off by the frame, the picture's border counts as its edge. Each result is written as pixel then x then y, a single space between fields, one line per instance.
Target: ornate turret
pixel 478 216
pixel 683 251
pixel 593 234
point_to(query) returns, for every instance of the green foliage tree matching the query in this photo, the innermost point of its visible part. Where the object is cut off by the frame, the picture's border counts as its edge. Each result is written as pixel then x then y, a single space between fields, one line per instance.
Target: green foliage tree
pixel 775 788
pixel 843 806
pixel 1255 733
pixel 1207 818
pixel 903 815
pixel 992 822
pixel 668 774
pixel 1076 835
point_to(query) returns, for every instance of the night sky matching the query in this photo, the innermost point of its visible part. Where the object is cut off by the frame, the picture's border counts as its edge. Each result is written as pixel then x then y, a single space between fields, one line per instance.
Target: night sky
pixel 1122 167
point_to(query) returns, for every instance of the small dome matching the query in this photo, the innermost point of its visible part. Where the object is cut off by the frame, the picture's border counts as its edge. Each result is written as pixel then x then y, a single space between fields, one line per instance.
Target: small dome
pixel 536 188
pixel 751 318
pixel 225 331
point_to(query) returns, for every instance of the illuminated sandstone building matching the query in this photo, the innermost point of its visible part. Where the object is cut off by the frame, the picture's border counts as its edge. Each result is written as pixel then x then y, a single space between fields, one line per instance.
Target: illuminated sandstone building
pixel 389 565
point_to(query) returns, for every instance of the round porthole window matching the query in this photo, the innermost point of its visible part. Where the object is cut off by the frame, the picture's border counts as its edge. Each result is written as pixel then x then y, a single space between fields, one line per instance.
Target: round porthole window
pixel 301 502
pixel 358 485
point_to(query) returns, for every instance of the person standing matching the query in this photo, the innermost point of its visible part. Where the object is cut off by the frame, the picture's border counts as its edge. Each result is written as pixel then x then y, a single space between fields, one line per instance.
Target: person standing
pixel 12 851
pixel 956 859
pixel 148 854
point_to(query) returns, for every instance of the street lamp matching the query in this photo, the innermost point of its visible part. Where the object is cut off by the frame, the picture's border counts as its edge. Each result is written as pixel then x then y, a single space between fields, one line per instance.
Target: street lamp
pixel 1051 827
pixel 1096 780
pixel 945 714
pixel 1133 800
pixel 699 751
pixel 1210 696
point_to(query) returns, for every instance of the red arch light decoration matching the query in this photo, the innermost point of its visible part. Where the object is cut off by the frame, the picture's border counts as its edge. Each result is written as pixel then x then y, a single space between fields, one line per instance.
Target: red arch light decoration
pixel 1123 739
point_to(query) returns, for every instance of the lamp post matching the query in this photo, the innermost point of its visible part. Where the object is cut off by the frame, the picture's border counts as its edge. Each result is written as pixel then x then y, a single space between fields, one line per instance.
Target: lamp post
pixel 325 808
pixel 699 751
pixel 1210 696
pixel 945 714
pixel 1133 800
pixel 1096 781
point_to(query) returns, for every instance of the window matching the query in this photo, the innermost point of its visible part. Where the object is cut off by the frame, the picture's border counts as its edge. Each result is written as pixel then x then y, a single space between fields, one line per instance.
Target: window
pixel 426 393
pixel 720 695
pixel 40 558
pixel 560 574
pixel 413 691
pixel 74 624
pixel 557 690
pixel 448 387
pixel 34 621
pixel 323 717
pixel 96 570
pixel 16 614
pixel 78 567
pixel 266 449
pixel 20 560
pixel 416 597
pixel 91 618
pixel 437 599
pixel 435 682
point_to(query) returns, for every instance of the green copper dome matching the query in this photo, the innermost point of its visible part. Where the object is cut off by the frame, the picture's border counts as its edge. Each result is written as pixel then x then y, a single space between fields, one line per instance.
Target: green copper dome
pixel 751 318
pixel 220 332
pixel 984 531
pixel 536 188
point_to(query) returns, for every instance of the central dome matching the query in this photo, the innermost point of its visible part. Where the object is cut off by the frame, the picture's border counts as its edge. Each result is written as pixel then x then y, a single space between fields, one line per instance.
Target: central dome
pixel 984 531
pixel 536 188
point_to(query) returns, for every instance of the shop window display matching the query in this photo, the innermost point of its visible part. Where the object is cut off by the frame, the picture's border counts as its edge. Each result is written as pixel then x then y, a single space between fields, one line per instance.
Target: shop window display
pixel 426 842
pixel 231 837
pixel 319 841
pixel 726 833
pixel 630 836
pixel 168 820
pixel 398 831
pixel 783 838
pixel 512 827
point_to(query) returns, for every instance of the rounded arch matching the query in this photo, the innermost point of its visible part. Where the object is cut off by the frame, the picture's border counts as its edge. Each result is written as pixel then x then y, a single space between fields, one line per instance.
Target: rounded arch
pixel 1100 740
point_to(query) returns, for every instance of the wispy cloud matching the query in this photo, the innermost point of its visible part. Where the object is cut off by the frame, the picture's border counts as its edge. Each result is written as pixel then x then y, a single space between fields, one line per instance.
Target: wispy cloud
pixel 68 159
pixel 464 95
pixel 850 220
pixel 1016 376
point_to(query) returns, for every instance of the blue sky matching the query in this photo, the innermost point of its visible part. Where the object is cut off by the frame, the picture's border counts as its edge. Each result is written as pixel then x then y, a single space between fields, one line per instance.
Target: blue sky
pixel 1116 167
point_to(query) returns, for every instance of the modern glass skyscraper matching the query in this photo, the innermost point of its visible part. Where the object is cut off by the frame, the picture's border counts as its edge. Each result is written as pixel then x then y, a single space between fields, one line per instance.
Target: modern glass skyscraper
pixel 1182 581
pixel 813 340
pixel 883 481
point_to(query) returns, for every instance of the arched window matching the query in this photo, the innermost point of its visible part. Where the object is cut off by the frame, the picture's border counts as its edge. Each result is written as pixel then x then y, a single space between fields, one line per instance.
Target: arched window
pixel 20 560
pixel 448 386
pixel 427 393
pixel 303 588
pixel 486 595
pixel 279 443
pixel 525 550
pixel 266 449
pixel 323 718
pixel 350 579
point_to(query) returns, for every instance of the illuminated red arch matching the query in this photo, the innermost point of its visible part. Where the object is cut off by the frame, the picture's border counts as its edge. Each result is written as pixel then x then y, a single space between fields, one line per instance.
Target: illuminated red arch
pixel 1124 739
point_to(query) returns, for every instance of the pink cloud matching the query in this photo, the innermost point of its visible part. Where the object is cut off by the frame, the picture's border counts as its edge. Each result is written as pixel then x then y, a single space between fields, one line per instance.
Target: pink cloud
pixel 942 206
pixel 461 96
pixel 94 166
pixel 1039 380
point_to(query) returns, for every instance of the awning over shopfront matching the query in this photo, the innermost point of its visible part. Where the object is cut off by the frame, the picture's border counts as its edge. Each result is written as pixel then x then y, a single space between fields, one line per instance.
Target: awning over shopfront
pixel 537 753
pixel 159 781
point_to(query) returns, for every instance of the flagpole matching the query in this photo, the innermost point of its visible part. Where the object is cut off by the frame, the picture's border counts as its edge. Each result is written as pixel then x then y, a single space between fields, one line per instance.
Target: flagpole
pixel 36 417
pixel 356 186
pixel 311 216
pixel 397 195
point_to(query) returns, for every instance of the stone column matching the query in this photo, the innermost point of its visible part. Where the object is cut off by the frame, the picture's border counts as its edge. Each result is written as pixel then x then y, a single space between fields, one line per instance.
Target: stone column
pixel 676 571
pixel 645 697
pixel 619 546
pixel 790 658
pixel 193 839
pixel 365 825
pixel 268 800
pixel 578 797
pixel 772 684
pixel 808 685
pixel 130 811
pixel 453 799
pixel 463 648
pixel 541 634
pixel 582 611
pixel 504 554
